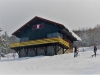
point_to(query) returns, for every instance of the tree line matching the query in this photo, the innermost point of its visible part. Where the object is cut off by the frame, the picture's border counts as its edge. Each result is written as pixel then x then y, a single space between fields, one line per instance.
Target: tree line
pixel 89 36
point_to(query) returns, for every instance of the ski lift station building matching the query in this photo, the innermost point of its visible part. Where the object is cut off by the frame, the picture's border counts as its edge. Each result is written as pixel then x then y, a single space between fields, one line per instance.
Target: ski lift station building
pixel 40 36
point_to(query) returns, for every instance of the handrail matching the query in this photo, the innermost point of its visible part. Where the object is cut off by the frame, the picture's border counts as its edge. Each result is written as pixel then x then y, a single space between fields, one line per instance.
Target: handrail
pixel 40 41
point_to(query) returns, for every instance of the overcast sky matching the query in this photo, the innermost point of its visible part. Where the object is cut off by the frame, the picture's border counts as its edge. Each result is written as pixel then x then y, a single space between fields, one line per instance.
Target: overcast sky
pixel 73 13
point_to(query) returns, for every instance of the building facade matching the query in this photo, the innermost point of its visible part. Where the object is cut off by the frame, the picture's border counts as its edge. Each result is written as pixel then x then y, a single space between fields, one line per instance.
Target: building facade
pixel 40 36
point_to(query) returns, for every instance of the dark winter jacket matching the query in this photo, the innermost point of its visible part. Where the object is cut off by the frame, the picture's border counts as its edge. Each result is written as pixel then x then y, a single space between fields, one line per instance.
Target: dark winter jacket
pixel 95 48
pixel 75 49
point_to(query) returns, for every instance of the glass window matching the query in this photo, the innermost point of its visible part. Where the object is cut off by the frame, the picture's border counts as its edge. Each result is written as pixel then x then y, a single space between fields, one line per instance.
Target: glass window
pixel 38 26
pixel 24 39
pixel 61 35
pixel 56 34
pixel 49 35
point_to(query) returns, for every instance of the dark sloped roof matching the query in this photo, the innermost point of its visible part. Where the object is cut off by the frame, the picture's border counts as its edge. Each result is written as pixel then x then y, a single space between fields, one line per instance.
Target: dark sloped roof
pixel 72 34
pixel 36 17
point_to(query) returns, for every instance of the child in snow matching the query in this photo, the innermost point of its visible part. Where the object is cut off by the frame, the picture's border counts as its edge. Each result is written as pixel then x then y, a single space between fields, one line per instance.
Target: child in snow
pixel 75 51
pixel 95 50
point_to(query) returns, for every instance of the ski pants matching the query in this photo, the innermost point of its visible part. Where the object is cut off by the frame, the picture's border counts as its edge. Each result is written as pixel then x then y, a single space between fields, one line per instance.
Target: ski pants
pixel 95 53
pixel 75 54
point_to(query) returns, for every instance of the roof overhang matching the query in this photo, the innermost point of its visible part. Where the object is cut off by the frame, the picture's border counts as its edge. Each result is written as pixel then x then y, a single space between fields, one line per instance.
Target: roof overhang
pixel 68 34
pixel 36 17
pixel 66 30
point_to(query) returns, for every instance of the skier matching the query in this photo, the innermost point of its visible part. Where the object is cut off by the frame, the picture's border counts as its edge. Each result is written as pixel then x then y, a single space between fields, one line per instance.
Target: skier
pixel 75 51
pixel 95 50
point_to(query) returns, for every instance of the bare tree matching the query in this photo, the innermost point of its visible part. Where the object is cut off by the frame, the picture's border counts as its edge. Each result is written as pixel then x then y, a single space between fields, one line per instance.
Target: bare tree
pixel 89 36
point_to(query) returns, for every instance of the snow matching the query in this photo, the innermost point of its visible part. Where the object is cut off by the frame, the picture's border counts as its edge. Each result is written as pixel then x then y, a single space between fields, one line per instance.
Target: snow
pixel 58 64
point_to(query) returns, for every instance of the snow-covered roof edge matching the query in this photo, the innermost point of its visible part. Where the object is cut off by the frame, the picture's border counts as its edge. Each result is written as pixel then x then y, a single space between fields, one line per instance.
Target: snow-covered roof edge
pixel 63 23
pixel 76 36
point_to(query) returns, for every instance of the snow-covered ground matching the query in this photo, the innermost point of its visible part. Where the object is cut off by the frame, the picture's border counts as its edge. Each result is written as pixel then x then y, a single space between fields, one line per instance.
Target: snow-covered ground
pixel 58 64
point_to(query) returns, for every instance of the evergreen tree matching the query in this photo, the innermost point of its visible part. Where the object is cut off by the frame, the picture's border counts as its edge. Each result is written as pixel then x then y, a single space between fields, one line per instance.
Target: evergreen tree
pixel 4 46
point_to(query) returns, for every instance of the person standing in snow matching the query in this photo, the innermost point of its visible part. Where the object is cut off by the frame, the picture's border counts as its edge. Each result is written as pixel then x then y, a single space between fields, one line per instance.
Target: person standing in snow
pixel 95 50
pixel 75 51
